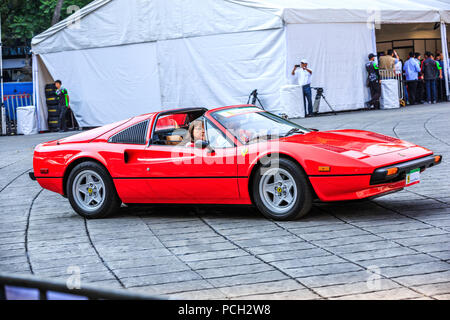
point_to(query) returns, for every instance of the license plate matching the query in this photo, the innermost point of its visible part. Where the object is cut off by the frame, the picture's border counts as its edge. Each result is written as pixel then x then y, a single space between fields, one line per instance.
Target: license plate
pixel 413 177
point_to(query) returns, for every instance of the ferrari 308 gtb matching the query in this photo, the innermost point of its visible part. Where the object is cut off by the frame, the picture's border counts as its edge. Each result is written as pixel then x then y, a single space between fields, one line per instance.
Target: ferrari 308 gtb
pixel 231 155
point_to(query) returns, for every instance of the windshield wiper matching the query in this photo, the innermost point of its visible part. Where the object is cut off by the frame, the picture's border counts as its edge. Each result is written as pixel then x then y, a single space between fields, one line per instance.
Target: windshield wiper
pixel 267 136
pixel 292 131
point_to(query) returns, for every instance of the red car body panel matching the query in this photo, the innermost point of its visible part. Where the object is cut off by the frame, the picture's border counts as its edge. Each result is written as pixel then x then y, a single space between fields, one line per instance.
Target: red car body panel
pixel 175 174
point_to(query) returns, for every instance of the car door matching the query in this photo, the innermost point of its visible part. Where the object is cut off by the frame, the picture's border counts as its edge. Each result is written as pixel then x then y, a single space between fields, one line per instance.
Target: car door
pixel 185 174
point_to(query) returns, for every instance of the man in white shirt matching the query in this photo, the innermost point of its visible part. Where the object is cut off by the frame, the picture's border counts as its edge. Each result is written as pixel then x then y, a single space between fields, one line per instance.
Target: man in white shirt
pixel 303 76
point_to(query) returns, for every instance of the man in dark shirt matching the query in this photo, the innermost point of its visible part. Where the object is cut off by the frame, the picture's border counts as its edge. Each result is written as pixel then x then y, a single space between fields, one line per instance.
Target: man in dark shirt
pixel 63 104
pixel 430 74
pixel 373 82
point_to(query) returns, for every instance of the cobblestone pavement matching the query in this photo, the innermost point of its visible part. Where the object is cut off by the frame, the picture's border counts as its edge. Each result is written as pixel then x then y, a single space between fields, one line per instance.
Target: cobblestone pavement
pixel 337 252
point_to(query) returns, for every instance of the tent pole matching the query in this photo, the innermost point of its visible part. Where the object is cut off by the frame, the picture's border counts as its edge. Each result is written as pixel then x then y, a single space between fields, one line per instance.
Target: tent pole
pixel 446 56
pixel 36 91
pixel 3 113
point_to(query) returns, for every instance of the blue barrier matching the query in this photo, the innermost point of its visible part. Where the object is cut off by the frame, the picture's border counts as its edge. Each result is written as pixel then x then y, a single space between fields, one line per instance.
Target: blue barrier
pixel 10 88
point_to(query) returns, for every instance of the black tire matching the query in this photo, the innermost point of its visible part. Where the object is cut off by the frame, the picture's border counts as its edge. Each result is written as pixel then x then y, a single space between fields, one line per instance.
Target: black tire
pixel 53 111
pixel 111 201
pixel 302 203
pixel 53 121
pixel 52 101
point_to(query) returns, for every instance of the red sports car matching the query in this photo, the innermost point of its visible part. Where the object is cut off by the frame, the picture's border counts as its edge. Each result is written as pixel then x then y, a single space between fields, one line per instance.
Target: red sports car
pixel 230 155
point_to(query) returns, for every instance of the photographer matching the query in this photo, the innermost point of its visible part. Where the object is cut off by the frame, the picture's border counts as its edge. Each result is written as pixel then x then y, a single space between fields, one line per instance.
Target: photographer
pixel 303 76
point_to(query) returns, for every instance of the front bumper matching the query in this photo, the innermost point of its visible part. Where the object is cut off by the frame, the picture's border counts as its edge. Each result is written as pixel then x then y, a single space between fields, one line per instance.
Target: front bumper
pixel 380 176
pixel 32 176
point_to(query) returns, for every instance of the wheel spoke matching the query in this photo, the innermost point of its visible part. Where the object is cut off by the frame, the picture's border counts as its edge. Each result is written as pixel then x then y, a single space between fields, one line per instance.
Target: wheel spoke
pixel 278 178
pixel 97 199
pixel 289 198
pixel 288 184
pixel 89 179
pixel 99 186
pixel 270 188
pixel 83 190
pixel 87 199
pixel 277 200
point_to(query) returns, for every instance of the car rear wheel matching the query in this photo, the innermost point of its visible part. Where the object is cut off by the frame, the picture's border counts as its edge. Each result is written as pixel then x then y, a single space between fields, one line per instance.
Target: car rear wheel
pixel 91 191
pixel 281 191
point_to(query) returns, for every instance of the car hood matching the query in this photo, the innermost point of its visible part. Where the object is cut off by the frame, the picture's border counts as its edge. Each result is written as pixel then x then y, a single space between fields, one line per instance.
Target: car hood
pixel 355 143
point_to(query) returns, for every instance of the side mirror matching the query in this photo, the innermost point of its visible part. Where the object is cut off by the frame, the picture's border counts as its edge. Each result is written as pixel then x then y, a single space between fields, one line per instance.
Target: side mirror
pixel 200 144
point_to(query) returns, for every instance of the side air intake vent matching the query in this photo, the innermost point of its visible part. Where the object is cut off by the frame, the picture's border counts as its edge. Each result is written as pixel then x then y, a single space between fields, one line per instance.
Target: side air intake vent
pixel 133 135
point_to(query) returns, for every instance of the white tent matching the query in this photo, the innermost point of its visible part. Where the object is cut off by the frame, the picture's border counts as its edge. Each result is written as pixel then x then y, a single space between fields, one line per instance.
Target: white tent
pixel 120 58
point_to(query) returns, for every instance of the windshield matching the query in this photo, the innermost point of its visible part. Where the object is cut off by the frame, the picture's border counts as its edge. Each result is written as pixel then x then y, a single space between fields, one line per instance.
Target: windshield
pixel 250 124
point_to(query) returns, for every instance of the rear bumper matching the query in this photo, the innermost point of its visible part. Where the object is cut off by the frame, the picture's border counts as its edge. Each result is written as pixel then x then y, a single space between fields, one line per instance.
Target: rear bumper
pixel 380 175
pixel 32 176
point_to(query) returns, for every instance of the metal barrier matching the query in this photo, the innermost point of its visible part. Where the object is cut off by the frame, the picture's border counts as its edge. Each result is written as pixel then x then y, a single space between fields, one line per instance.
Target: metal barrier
pixel 386 74
pixel 11 103
pixel 49 286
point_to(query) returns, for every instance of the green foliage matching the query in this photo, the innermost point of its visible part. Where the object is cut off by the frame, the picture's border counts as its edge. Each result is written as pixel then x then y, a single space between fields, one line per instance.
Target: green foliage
pixel 22 20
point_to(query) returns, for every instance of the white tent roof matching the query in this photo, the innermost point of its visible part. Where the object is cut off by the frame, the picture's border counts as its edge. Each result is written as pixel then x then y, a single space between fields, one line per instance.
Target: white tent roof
pixel 105 23
pixel 134 21
pixel 354 11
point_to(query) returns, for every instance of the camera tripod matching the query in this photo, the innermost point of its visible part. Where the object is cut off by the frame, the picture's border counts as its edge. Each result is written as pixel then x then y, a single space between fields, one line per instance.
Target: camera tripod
pixel 319 96
pixel 255 98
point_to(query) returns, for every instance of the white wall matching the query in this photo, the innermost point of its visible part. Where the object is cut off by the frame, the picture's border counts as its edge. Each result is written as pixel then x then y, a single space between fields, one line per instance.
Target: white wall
pixel 337 54
pixel 221 70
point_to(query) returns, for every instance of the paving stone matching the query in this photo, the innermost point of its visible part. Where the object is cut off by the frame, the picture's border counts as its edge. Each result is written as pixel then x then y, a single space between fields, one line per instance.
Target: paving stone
pixel 248 278
pixel 419 268
pixel 262 288
pixel 422 279
pixel 356 288
pixel 303 294
pixel 223 262
pixel 334 279
pixel 235 270
pixel 260 250
pixel 393 294
pixel 398 261
pixel 434 289
pixel 313 261
pixel 322 270
pixel 294 254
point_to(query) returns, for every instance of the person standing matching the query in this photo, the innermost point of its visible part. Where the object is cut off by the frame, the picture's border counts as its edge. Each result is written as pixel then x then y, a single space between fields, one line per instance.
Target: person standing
pixel 440 82
pixel 388 61
pixel 412 70
pixel 303 75
pixel 63 104
pixel 373 82
pixel 420 93
pixel 430 73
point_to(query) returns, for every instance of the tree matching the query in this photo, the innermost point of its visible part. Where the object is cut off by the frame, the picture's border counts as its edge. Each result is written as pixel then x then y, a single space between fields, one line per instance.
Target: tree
pixel 22 20
pixel 57 13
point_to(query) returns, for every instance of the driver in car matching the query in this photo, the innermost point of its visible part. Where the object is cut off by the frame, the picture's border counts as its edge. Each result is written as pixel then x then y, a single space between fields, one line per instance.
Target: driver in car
pixel 196 133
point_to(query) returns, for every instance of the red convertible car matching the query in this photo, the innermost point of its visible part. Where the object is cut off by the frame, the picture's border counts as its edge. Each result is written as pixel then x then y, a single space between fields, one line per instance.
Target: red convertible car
pixel 230 155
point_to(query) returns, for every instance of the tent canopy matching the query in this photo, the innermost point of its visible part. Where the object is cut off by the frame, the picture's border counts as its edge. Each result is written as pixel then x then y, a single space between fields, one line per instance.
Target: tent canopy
pixel 137 21
pixel 354 11
pixel 105 23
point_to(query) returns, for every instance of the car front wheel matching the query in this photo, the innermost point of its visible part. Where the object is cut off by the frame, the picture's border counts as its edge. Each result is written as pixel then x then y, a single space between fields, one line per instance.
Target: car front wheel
pixel 91 191
pixel 281 191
